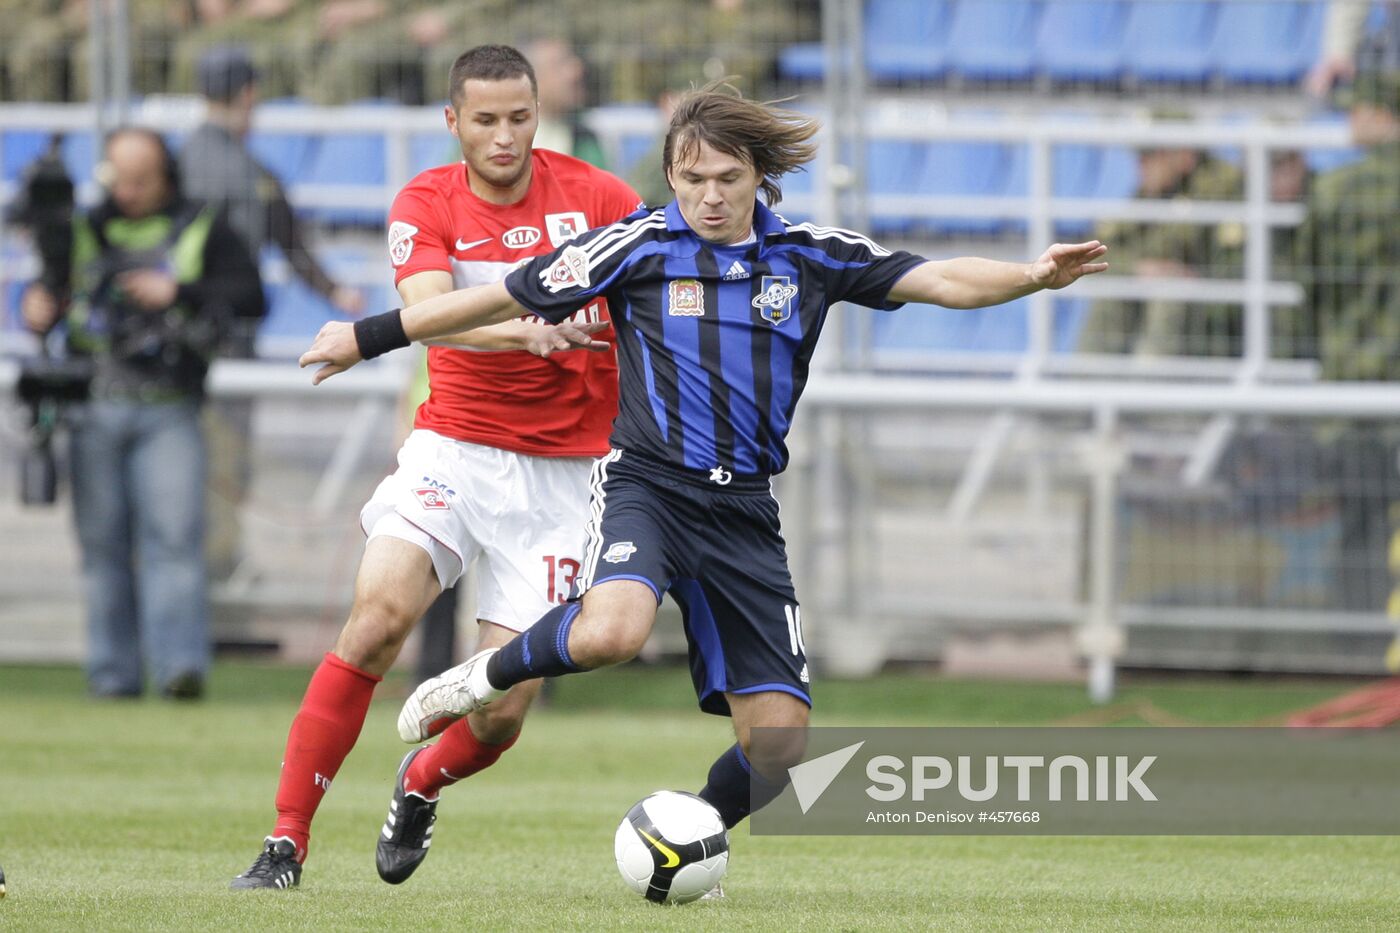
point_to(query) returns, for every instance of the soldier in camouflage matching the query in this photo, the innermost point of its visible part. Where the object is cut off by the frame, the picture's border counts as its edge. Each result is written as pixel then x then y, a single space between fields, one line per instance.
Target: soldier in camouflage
pixel 1348 262
pixel 1176 250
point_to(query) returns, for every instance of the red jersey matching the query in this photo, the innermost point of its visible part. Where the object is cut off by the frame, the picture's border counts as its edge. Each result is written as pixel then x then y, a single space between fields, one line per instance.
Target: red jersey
pixel 557 407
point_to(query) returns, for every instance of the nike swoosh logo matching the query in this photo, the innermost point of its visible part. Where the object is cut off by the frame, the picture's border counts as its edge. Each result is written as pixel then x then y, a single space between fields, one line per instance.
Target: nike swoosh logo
pixel 672 859
pixel 450 777
pixel 466 246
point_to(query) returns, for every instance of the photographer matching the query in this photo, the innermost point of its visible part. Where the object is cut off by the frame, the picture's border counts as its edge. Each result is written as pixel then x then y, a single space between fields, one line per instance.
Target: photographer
pixel 155 280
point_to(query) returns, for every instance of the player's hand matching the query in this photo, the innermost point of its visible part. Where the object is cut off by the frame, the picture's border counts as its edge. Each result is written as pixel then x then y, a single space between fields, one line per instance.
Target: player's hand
pixel 1063 263
pixel 334 346
pixel 567 336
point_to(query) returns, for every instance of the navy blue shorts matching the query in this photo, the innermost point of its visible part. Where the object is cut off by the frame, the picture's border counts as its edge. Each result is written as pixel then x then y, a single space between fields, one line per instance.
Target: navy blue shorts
pixel 718 550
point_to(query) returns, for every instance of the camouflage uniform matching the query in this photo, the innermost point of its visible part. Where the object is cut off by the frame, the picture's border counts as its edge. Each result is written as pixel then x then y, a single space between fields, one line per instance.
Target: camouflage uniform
pixel 1171 328
pixel 1348 262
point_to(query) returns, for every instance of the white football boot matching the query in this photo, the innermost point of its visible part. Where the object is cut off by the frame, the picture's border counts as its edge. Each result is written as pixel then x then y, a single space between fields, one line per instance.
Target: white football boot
pixel 442 700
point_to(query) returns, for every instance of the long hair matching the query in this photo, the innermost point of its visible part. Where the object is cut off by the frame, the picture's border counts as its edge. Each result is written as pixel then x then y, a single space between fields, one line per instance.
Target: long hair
pixel 772 140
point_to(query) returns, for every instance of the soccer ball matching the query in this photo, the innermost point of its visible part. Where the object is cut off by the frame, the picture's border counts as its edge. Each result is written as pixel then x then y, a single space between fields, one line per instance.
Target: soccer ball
pixel 672 847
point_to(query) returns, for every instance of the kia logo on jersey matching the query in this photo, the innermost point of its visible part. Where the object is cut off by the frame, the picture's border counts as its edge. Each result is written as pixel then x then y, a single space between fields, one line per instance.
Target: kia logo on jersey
pixel 521 237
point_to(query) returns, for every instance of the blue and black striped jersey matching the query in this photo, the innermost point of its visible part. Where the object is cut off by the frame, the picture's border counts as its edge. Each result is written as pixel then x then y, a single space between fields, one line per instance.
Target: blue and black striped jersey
pixel 713 342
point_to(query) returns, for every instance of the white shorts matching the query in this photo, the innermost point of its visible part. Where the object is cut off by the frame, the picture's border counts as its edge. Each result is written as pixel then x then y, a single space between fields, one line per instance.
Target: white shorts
pixel 522 516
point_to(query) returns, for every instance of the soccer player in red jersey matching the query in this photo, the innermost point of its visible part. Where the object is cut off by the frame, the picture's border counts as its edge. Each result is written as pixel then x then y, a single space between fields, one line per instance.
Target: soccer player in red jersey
pixel 495 471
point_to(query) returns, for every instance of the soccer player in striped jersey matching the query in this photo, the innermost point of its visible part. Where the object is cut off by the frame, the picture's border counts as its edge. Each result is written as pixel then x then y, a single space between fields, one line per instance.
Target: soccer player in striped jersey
pixel 717 304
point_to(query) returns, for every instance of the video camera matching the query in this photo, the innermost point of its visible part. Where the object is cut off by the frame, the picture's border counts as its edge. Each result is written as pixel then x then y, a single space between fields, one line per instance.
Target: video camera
pixel 47 385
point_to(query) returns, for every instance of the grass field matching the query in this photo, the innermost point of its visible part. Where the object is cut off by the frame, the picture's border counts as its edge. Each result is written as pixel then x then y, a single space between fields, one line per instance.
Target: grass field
pixel 134 816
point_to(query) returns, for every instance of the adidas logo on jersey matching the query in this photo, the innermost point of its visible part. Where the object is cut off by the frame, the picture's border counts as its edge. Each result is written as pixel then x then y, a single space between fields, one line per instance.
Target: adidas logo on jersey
pixel 736 272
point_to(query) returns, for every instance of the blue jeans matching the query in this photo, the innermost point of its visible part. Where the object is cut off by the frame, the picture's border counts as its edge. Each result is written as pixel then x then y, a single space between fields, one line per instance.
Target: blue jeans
pixel 138 502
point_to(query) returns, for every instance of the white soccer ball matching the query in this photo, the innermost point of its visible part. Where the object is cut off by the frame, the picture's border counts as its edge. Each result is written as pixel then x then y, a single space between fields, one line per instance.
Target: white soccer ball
pixel 672 847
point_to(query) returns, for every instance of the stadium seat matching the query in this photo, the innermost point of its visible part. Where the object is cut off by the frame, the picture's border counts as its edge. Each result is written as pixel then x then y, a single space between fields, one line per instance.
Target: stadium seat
pixel 19 148
pixel 973 169
pixel 993 41
pixel 1171 40
pixel 805 61
pixel 350 159
pixel 1326 160
pixel 1267 42
pixel 893 167
pixel 999 329
pixel 294 310
pixel 429 150
pixel 1081 40
pixel 907 40
pixel 286 155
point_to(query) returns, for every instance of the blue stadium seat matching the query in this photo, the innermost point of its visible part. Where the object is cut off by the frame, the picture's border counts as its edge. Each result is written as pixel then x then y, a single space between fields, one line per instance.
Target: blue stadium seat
pixel 294 310
pixel 1326 160
pixel 805 61
pixel 973 169
pixel 18 148
pixel 1000 329
pixel 1267 42
pixel 993 41
pixel 894 167
pixel 429 150
pixel 353 159
pixel 1081 40
pixel 1171 40
pixel 286 155
pixel 907 40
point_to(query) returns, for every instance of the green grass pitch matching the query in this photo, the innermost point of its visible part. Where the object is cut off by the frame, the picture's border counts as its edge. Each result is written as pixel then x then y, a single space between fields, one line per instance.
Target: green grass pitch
pixel 135 815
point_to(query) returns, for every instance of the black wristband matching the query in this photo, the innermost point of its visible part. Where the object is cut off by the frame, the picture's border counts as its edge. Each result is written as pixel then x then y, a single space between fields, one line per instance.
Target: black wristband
pixel 379 333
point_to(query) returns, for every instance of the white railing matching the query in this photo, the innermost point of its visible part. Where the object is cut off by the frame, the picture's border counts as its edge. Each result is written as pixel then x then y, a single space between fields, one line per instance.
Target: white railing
pixel 1044 382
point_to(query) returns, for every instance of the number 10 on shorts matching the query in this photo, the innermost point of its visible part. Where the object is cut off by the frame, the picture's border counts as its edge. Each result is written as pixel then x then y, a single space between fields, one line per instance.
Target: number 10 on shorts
pixel 561 572
pixel 794 621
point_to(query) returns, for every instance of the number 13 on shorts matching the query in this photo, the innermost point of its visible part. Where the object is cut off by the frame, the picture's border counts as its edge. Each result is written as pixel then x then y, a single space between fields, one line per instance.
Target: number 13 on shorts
pixel 561 572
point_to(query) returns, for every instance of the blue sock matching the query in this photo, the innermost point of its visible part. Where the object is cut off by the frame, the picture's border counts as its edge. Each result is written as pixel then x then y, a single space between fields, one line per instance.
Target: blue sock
pixel 735 789
pixel 539 651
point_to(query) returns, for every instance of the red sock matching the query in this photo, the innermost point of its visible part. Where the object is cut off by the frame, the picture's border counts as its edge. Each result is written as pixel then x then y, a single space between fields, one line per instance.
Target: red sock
pixel 322 734
pixel 458 754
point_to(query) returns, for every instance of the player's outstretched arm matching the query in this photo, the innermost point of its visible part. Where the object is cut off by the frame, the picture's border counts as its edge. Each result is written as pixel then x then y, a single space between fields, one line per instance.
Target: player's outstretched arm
pixel 341 345
pixel 969 282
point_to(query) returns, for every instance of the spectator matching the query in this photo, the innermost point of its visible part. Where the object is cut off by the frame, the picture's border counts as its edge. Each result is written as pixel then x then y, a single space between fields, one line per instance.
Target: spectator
pixel 155 279
pixel 562 93
pixel 1343 35
pixel 1176 250
pixel 648 175
pixel 280 32
pixel 1348 261
pixel 43 45
pixel 217 168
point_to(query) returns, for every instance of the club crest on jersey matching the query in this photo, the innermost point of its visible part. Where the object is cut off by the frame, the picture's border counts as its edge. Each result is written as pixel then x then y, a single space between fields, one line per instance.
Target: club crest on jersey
pixel 430 498
pixel 774 302
pixel 564 227
pixel 401 241
pixel 687 298
pixel 620 552
pixel 570 270
pixel 521 237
